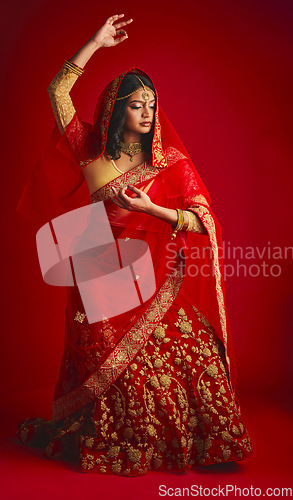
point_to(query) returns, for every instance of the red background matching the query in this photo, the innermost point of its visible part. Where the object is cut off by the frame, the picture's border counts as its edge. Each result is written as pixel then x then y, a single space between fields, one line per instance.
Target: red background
pixel 223 70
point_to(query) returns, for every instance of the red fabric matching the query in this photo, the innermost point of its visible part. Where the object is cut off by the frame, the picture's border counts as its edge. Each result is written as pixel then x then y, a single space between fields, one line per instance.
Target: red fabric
pixel 175 185
pixel 56 184
pixel 164 422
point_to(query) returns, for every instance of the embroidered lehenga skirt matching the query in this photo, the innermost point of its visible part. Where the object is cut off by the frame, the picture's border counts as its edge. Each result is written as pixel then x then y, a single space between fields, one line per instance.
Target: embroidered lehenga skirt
pixel 151 390
pixel 171 409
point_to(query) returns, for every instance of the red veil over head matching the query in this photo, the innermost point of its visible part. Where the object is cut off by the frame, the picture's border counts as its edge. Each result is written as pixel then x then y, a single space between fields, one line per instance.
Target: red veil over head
pixel 57 185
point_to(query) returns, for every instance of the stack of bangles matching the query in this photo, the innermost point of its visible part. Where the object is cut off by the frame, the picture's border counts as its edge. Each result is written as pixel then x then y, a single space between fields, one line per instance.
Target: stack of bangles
pixel 180 222
pixel 74 68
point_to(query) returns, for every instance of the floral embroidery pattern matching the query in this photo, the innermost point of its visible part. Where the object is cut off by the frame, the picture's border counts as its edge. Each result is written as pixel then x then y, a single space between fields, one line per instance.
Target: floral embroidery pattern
pixel 171 409
pixel 123 353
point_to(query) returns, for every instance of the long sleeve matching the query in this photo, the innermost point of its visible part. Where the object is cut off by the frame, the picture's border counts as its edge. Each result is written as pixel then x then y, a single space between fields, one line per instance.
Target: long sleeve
pixel 59 93
pixel 194 223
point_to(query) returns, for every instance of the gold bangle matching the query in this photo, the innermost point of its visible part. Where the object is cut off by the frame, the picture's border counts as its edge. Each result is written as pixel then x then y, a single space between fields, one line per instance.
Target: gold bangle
pixel 180 222
pixel 74 68
pixel 178 219
pixel 187 220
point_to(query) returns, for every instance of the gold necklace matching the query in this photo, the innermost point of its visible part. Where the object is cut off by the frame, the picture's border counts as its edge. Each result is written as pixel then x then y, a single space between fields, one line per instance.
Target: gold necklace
pixel 115 166
pixel 131 148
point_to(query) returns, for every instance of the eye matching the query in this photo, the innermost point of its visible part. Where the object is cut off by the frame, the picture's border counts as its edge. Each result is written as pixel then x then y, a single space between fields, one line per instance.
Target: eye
pixel 135 107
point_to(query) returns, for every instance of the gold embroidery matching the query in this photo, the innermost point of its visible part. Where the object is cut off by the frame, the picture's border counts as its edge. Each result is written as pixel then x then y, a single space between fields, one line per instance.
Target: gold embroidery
pixel 158 363
pixel 194 223
pixel 79 317
pixel 128 432
pixel 123 353
pixel 159 332
pixel 197 199
pixel 226 436
pixel 208 221
pixel 165 381
pixel 89 442
pixel 151 430
pixel 159 159
pixel 61 102
pixel 23 434
pixel 109 104
pixel 226 452
pixel 138 174
pixel 173 155
pixel 174 420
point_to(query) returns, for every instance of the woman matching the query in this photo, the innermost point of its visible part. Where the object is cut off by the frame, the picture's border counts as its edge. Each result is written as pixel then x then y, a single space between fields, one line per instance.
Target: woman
pixel 150 388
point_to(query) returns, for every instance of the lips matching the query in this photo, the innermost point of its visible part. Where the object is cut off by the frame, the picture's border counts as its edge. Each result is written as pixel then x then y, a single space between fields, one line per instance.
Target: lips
pixel 145 124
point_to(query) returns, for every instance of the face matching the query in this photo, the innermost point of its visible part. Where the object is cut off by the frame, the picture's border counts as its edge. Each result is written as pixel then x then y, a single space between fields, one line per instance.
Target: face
pixel 139 113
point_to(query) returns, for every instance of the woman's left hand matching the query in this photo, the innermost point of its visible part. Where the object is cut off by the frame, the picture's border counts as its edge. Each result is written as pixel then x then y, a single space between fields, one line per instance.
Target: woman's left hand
pixel 140 203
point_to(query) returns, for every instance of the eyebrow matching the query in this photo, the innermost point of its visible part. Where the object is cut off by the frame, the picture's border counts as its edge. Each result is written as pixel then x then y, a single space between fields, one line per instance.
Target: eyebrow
pixel 136 100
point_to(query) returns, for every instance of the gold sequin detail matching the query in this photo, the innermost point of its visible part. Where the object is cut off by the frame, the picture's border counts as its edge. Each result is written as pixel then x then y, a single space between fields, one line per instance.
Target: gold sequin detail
pixel 59 93
pixel 194 223
pixel 80 317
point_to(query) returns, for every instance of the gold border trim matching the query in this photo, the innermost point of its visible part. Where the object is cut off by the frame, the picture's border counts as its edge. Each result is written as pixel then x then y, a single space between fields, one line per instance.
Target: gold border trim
pixel 109 104
pixel 124 352
pixel 209 223
pixel 138 174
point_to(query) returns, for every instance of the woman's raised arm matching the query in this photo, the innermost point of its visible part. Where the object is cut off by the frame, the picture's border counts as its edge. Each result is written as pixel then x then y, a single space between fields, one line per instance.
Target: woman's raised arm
pixel 109 35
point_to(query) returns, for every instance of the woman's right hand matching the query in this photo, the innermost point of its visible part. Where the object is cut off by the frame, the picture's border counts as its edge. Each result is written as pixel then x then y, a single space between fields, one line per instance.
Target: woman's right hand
pixel 105 36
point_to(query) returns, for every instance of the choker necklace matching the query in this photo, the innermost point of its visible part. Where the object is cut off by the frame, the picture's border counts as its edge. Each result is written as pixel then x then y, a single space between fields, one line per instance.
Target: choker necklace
pixel 131 148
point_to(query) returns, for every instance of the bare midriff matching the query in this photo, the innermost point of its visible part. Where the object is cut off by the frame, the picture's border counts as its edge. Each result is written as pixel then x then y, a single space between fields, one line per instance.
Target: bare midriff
pixel 100 172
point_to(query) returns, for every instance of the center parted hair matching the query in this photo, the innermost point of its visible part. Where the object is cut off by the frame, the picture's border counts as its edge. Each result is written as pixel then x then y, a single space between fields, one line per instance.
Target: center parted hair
pixel 116 126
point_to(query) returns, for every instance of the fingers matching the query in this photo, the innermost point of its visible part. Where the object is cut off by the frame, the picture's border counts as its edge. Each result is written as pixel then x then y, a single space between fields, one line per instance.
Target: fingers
pixel 122 196
pixel 119 197
pixel 122 199
pixel 114 18
pixel 120 39
pixel 111 30
pixel 134 189
pixel 123 23
pixel 116 202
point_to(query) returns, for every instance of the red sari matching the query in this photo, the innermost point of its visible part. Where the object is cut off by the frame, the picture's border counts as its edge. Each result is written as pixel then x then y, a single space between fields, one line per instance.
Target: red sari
pixel 151 388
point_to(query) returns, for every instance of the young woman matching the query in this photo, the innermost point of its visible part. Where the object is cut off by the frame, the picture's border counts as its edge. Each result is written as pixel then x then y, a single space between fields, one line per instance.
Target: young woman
pixel 150 388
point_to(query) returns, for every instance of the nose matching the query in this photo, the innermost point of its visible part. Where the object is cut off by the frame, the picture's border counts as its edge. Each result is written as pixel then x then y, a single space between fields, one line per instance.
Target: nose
pixel 146 111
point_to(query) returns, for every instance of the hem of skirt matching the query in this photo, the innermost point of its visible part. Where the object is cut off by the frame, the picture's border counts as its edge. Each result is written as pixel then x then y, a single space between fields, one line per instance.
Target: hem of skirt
pixel 122 466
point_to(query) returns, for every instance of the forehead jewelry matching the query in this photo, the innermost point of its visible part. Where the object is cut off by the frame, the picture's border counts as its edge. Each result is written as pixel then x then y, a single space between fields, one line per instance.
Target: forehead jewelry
pixel 145 94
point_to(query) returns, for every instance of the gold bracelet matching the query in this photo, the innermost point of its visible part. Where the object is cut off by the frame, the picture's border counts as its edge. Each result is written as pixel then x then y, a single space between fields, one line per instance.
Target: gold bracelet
pixel 74 68
pixel 72 65
pixel 187 222
pixel 180 222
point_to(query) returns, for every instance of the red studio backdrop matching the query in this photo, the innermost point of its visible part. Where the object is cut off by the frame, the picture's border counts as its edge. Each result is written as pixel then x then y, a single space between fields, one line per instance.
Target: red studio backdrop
pixel 223 70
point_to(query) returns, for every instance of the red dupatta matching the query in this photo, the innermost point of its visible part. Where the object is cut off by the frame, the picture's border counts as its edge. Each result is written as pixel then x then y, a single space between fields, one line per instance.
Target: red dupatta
pixel 171 181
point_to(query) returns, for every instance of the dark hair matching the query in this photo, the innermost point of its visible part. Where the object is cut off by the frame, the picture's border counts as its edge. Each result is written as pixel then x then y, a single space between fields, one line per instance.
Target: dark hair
pixel 116 125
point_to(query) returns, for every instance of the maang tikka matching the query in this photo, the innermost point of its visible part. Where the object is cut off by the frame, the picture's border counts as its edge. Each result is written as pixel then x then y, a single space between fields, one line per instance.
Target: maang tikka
pixel 145 94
